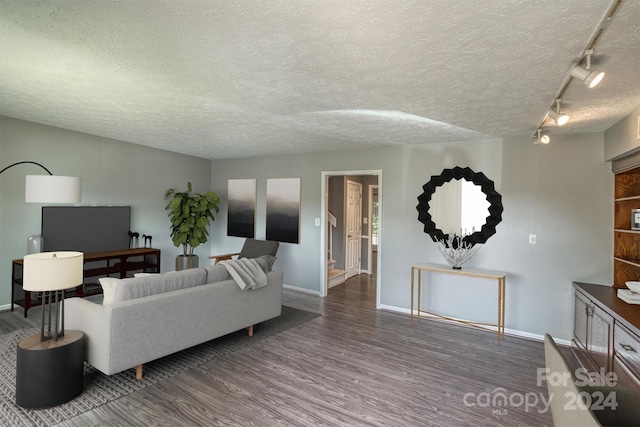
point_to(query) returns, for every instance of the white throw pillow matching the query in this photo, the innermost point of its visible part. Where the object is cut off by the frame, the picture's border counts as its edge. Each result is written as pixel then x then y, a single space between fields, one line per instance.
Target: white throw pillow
pixel 109 285
pixel 144 274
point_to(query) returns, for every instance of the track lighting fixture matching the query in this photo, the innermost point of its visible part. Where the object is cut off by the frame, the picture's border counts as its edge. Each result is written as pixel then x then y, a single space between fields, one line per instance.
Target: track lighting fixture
pixel 541 139
pixel 581 71
pixel 560 118
pixel 585 74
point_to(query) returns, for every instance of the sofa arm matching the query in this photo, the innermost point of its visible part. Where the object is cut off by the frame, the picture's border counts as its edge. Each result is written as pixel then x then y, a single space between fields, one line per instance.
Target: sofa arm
pixel 95 321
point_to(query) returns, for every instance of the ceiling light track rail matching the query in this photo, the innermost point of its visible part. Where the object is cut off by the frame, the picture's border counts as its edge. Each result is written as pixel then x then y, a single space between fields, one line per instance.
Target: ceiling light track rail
pixel 582 70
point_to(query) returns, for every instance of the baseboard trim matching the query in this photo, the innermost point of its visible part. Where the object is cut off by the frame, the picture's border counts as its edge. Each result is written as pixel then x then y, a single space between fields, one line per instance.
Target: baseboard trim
pixel 507 331
pixel 301 290
pixel 5 307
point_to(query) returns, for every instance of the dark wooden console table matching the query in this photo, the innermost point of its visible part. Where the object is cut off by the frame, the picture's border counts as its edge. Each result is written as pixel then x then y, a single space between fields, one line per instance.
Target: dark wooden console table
pixel 118 264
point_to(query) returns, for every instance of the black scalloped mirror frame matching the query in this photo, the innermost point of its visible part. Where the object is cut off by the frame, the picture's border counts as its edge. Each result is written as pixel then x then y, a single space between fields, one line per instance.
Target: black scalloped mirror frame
pixel 486 185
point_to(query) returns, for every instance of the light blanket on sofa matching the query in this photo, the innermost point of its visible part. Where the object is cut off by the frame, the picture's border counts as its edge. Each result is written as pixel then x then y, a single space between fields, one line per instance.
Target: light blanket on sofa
pixel 246 272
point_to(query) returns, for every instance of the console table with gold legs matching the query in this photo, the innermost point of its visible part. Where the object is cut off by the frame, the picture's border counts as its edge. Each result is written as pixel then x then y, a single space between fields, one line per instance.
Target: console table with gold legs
pixel 500 277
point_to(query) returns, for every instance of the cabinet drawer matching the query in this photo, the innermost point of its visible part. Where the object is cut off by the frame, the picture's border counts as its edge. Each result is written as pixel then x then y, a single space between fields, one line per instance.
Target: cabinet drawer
pixel 627 348
pixel 625 378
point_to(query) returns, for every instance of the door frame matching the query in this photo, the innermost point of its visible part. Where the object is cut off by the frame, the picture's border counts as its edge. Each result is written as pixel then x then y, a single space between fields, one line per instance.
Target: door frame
pixel 324 190
pixel 370 215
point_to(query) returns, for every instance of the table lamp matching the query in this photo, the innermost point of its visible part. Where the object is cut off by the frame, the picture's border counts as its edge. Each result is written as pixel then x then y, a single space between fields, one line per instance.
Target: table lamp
pixel 49 367
pixel 52 273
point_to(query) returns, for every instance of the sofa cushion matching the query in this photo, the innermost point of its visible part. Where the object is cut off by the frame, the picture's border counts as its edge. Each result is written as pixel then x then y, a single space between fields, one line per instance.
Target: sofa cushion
pixel 117 290
pixel 218 272
pixel 109 285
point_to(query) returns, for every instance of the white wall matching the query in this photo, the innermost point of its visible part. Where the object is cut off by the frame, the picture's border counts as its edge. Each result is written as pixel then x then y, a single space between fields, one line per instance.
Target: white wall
pixel 562 192
pixel 623 138
pixel 112 172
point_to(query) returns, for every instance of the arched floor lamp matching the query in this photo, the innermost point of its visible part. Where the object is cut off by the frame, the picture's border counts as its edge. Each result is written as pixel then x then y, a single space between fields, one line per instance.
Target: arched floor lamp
pixel 49 366
pixel 49 188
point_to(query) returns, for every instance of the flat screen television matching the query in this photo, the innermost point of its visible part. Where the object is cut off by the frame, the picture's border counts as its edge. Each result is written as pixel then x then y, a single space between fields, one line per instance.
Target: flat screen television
pixel 85 228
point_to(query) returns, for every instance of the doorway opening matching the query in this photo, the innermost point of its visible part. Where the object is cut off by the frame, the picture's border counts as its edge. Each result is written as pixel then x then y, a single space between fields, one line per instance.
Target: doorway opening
pixel 351 224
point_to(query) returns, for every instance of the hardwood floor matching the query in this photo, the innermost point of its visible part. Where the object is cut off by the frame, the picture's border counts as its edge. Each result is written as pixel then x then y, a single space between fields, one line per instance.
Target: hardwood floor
pixel 353 366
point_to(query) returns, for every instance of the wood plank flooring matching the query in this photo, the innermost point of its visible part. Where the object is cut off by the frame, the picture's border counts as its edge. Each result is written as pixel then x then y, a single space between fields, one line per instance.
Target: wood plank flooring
pixel 354 366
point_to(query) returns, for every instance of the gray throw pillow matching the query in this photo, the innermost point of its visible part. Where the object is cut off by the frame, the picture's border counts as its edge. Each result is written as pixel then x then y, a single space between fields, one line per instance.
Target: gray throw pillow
pixel 266 262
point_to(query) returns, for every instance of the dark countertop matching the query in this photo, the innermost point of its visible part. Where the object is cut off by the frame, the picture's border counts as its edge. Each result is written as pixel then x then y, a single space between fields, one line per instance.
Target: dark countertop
pixel 626 314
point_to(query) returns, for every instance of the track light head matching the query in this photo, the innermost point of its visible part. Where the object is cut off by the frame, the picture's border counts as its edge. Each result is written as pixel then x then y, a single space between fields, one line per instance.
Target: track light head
pixel 560 118
pixel 590 78
pixel 541 139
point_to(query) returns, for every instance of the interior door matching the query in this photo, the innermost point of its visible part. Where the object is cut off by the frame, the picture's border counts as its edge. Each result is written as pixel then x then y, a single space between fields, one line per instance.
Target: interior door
pixel 354 228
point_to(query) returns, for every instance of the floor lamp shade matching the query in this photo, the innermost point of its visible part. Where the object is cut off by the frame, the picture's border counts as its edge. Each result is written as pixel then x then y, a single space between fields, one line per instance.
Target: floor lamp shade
pixel 52 189
pixel 52 271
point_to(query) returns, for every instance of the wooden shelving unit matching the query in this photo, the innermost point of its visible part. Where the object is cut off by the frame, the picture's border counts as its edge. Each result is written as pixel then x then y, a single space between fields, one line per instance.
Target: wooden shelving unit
pixel 120 264
pixel 626 242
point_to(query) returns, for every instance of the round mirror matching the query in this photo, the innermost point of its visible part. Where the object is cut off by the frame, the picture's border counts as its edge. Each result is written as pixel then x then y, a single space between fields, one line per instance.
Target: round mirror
pixel 461 202
pixel 459 207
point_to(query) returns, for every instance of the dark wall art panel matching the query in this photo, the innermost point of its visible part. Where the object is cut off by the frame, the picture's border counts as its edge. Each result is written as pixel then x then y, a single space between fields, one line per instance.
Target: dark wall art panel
pixel 283 210
pixel 241 216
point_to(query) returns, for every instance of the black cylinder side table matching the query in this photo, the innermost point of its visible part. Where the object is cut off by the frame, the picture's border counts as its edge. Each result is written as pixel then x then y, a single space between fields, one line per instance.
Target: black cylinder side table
pixel 49 373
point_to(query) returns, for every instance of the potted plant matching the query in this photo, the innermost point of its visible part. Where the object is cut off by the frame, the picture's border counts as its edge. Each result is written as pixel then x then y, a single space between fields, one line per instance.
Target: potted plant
pixel 189 215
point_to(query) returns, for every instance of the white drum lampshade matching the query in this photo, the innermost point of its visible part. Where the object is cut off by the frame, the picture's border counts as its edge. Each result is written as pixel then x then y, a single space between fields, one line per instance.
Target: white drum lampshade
pixel 52 189
pixel 52 271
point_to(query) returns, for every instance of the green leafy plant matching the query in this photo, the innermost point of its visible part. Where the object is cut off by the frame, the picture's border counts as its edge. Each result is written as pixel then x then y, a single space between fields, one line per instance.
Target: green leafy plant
pixel 189 215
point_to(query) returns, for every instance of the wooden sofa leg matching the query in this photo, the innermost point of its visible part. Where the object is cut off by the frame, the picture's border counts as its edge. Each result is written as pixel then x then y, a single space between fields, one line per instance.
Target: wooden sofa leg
pixel 250 328
pixel 138 372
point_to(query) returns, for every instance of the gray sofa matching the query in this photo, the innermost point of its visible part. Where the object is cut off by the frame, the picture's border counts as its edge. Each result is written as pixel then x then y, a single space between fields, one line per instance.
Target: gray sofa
pixel 146 318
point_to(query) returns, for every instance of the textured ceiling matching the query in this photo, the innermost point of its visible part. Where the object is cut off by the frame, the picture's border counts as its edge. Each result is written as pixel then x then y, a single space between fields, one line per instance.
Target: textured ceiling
pixel 220 79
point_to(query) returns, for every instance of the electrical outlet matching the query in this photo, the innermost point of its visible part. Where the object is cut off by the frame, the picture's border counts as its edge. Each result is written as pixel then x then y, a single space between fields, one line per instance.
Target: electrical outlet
pixel 317 222
pixel 532 239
